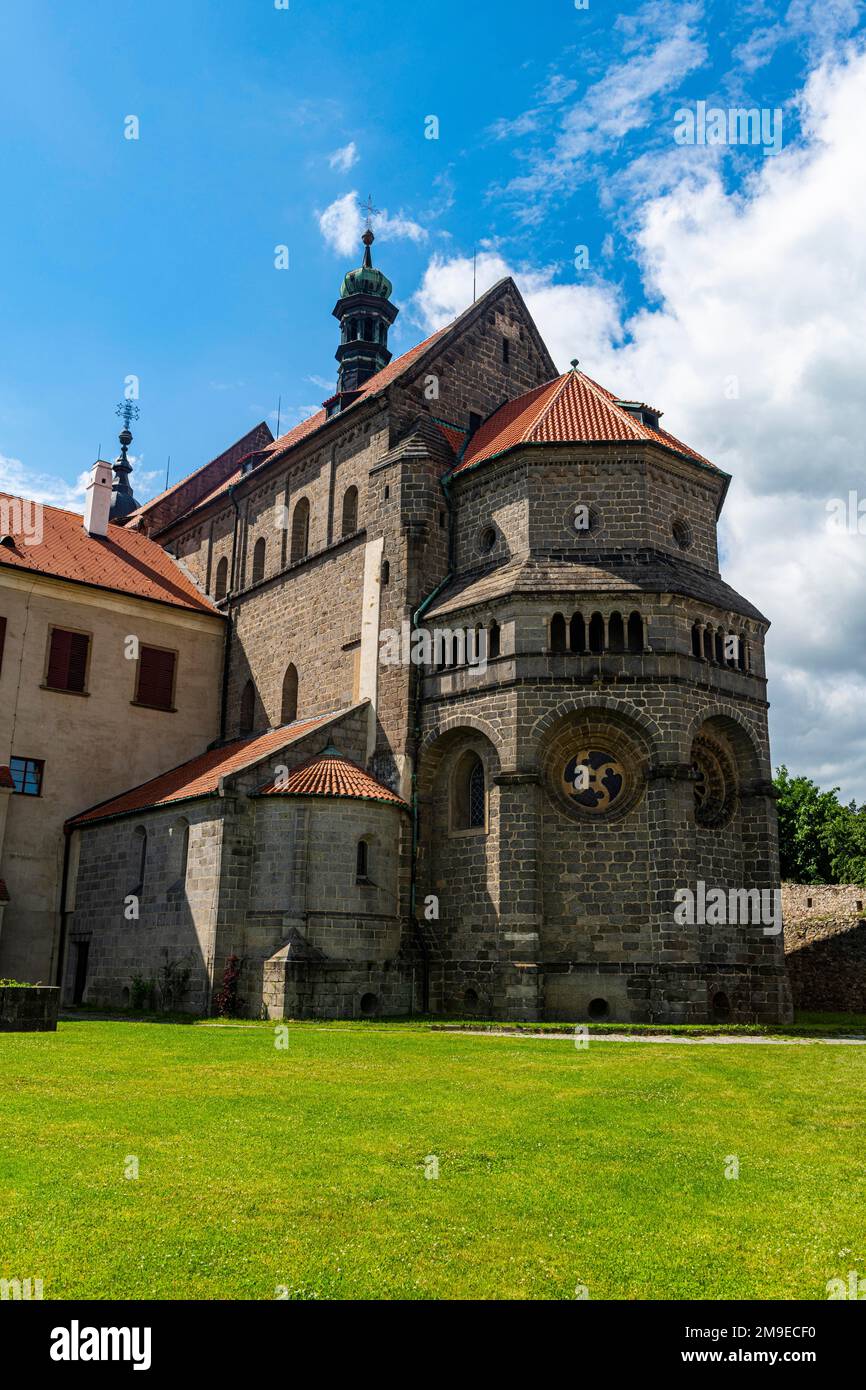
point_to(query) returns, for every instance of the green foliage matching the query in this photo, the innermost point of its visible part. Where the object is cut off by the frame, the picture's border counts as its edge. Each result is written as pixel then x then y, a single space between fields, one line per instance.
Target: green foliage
pixel 820 840
pixel 16 984
pixel 141 993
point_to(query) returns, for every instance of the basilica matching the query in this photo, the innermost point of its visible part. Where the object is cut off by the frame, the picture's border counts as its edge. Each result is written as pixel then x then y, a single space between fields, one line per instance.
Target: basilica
pixel 354 833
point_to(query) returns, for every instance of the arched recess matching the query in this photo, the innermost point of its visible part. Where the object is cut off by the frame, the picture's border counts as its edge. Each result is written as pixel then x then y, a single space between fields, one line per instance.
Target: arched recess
pixel 259 554
pixel 222 579
pixel 350 511
pixel 289 698
pixel 557 633
pixel 300 530
pixel 460 864
pixel 616 633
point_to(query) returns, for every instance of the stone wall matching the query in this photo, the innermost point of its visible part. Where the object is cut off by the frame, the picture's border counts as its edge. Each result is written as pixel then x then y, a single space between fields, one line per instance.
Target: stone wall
pixel 825 945
pixel 29 1010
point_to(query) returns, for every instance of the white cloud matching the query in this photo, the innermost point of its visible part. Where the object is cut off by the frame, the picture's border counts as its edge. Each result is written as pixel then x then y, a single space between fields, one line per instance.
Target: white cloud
pixel 767 285
pixel 663 47
pixel 19 480
pixel 343 159
pixel 342 223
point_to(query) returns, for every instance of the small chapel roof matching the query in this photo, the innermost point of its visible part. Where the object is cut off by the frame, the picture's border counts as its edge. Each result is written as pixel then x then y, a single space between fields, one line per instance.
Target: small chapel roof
pixel 330 774
pixel 570 409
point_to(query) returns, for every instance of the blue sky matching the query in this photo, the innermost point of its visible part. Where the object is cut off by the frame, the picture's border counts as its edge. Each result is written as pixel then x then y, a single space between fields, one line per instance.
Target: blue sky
pixel 262 126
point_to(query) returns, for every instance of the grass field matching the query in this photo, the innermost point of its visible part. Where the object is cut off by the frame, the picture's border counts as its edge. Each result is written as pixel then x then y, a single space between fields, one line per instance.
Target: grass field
pixel 304 1168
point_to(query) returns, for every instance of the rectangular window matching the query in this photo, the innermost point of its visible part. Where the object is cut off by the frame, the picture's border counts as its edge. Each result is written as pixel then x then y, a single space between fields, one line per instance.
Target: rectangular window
pixel 2 641
pixel 67 660
pixel 27 775
pixel 155 686
pixel 506 351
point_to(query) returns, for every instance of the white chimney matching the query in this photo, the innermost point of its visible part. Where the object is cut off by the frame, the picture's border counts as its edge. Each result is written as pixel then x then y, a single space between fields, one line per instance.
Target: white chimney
pixel 98 504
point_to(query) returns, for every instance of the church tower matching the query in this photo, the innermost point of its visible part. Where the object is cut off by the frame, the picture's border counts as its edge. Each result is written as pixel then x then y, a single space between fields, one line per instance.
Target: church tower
pixel 365 314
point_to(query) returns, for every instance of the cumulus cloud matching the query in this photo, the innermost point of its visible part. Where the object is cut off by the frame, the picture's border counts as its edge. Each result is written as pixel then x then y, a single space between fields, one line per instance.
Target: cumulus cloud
pixel 342 223
pixel 20 481
pixel 343 159
pixel 755 349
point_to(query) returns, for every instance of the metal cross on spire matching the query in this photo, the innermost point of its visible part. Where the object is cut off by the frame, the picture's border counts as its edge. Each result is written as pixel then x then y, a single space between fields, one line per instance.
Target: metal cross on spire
pixel 127 410
pixel 370 210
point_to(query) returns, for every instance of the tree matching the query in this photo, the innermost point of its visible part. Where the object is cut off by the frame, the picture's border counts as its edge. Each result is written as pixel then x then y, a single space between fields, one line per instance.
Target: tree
pixel 820 840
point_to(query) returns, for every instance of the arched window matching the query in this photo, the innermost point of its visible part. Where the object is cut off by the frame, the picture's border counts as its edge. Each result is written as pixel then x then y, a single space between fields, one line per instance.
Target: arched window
pixel 741 651
pixel 222 578
pixel 696 640
pixel 259 559
pixel 350 511
pixel 720 647
pixel 386 572
pixel 469 804
pixel 300 530
pixel 577 633
pixel 248 709
pixel 493 640
pixel 596 633
pixel 708 643
pixel 635 632
pixel 615 633
pixel 289 706
pixel 362 862
pixel 139 857
pixel 557 633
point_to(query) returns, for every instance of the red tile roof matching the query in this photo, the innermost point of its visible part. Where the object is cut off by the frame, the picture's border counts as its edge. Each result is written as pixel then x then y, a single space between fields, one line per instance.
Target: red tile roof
pixel 123 561
pixel 570 409
pixel 299 432
pixel 182 496
pixel 330 774
pixel 6 776
pixel 200 776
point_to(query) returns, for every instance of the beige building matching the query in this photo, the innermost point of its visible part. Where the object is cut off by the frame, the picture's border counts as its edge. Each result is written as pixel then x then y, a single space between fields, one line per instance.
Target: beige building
pixel 110 672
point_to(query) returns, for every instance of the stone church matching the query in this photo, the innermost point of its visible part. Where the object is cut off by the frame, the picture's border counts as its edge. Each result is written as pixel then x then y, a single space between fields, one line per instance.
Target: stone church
pixel 502 837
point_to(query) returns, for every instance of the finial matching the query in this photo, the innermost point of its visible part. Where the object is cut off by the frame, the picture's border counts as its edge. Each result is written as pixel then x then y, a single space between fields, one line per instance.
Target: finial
pixel 123 501
pixel 575 363
pixel 127 411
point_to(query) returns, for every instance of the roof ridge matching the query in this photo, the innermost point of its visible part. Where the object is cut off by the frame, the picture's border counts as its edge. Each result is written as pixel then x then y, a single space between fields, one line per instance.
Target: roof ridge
pixel 561 383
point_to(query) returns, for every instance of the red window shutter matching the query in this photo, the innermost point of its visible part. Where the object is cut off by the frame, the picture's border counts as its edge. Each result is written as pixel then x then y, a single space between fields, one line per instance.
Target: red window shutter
pixel 2 640
pixel 155 677
pixel 58 659
pixel 77 671
pixel 67 660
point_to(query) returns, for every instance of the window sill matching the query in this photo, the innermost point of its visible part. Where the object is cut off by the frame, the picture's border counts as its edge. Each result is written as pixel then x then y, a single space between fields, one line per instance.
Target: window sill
pixel 163 709
pixel 64 690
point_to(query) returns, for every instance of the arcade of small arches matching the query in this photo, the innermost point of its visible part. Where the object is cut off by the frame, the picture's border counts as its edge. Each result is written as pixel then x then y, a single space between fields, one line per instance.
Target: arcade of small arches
pixel 720 646
pixel 602 633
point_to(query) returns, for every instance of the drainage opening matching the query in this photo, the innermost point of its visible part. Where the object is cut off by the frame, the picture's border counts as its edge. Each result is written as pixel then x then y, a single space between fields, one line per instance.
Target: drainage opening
pixel 598 1008
pixel 369 1003
pixel 470 999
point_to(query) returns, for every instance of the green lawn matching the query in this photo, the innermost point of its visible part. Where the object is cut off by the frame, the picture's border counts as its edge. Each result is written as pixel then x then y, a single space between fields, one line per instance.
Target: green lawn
pixel 304 1167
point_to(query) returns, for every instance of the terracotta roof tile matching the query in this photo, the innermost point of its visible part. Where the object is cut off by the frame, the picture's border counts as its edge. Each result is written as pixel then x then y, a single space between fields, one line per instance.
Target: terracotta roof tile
pixel 124 561
pixel 200 776
pixel 330 774
pixel 570 409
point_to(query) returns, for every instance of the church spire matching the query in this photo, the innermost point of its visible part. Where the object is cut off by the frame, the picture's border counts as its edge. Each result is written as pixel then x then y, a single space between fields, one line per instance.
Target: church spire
pixel 365 314
pixel 122 500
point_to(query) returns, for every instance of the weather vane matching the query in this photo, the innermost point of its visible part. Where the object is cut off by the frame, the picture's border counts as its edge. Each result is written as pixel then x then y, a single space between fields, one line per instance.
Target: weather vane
pixel 127 411
pixel 370 210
